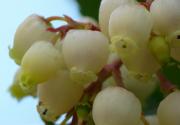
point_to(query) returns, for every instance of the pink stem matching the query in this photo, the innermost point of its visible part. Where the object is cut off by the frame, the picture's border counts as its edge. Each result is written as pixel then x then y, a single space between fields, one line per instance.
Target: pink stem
pixel 71 24
pixel 117 74
pixel 147 4
pixel 144 120
pixel 165 84
pixel 53 18
pixel 117 77
pixel 104 74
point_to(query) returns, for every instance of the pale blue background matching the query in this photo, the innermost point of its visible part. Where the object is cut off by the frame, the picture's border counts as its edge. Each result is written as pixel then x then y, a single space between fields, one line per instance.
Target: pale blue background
pixel 12 13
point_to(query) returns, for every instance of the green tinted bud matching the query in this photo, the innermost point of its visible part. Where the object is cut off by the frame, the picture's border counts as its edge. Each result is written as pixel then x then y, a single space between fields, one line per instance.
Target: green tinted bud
pixel 82 77
pixel 32 29
pixel 160 49
pixel 17 91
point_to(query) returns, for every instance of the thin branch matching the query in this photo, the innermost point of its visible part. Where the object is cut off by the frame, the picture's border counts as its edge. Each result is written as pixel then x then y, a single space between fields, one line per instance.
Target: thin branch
pixel 116 73
pixel 75 119
pixel 165 84
pixel 145 122
pixel 71 24
pixel 68 116
pixel 147 4
pixel 105 73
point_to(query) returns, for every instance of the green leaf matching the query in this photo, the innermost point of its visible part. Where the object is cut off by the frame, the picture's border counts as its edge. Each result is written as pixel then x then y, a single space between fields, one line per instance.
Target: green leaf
pixel 89 8
pixel 83 110
pixel 172 72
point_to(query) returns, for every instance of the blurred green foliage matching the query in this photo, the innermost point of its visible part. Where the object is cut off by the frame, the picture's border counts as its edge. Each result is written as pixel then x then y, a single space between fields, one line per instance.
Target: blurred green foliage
pixel 89 8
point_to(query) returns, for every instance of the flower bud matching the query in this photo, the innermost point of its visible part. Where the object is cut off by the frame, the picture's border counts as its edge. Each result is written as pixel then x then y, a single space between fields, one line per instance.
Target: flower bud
pixel 105 10
pixel 166 15
pixel 160 49
pixel 34 28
